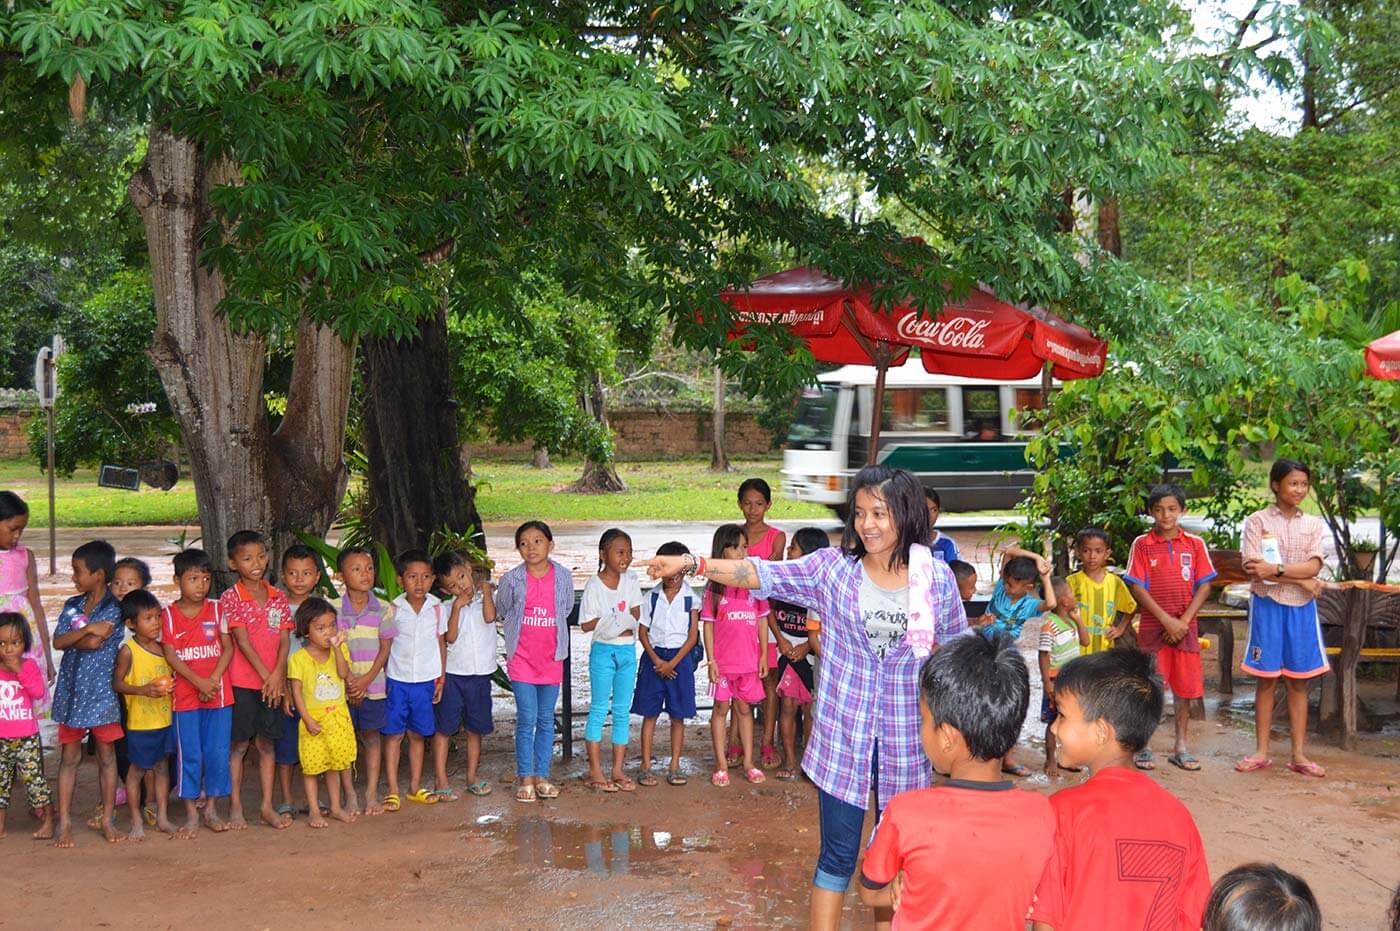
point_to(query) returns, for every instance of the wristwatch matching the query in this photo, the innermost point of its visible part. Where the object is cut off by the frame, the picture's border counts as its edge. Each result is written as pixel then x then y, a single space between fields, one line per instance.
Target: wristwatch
pixel 1278 573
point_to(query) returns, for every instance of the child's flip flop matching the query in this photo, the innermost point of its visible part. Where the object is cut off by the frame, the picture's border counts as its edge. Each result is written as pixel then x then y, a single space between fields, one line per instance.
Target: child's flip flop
pixel 675 778
pixel 525 793
pixel 446 795
pixel 390 803
pixel 1252 764
pixel 1143 760
pixel 602 785
pixel 546 789
pixel 1308 769
pixel 646 778
pixel 755 776
pixel 422 797
pixel 480 788
pixel 1183 760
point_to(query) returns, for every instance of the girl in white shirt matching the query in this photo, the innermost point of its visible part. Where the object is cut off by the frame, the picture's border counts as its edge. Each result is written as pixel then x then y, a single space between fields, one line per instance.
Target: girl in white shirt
pixel 610 609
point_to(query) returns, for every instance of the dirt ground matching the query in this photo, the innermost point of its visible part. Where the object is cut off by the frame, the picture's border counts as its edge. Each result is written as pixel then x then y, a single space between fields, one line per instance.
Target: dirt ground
pixel 665 857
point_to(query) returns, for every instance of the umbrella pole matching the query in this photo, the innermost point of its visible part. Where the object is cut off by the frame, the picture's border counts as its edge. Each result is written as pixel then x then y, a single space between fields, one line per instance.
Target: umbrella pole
pixel 882 364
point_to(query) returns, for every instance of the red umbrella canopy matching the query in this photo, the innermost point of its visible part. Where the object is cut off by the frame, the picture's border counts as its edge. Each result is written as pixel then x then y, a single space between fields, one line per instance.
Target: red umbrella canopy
pixel 981 336
pixel 1383 357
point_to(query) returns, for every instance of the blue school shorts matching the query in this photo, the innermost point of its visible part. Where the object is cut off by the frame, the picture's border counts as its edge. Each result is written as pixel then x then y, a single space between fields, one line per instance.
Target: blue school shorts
pixel 147 748
pixel 285 748
pixel 370 715
pixel 466 702
pixel 674 696
pixel 409 708
pixel 202 750
pixel 1284 640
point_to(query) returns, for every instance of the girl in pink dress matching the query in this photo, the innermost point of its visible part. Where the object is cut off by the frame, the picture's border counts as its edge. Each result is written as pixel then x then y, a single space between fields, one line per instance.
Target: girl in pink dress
pixel 766 542
pixel 19 589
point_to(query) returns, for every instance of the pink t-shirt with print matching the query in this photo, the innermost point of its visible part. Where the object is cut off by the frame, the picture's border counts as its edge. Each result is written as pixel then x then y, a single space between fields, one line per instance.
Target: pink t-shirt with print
pixel 18 692
pixel 533 661
pixel 736 620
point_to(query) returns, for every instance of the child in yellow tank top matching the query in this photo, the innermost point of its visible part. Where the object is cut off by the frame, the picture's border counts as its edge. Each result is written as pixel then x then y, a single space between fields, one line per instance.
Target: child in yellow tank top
pixel 145 681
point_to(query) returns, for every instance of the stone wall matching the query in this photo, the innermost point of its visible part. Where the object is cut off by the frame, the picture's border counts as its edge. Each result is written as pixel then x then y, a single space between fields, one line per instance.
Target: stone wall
pixel 14 436
pixel 653 434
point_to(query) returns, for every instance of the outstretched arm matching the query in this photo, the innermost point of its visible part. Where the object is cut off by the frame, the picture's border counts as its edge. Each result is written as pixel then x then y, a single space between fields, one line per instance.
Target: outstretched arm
pixel 739 573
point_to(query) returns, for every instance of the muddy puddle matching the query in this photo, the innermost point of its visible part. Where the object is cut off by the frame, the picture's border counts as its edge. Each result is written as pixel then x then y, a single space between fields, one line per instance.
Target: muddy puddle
pixel 601 849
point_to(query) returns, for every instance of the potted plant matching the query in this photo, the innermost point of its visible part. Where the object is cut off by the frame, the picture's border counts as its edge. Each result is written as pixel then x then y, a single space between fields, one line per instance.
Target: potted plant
pixel 1363 554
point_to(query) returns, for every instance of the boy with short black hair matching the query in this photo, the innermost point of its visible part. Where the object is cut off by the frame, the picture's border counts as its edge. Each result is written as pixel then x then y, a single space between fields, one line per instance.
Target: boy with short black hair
pixel 965 573
pixel 299 574
pixel 668 630
pixel 369 628
pixel 1168 569
pixel 144 679
pixel 942 545
pixel 198 647
pixel 260 623
pixel 971 851
pixel 1127 852
pixel 417 658
pixel 84 702
pixel 1061 637
pixel 1104 599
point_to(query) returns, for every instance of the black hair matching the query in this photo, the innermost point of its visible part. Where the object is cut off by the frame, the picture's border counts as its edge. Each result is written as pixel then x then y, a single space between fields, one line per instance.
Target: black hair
pixel 310 609
pixel 903 496
pixel 136 601
pixel 1167 490
pixel 1282 467
pixel 97 556
pixel 143 571
pixel 349 551
pixel 1117 686
pixel 1059 583
pixel 408 558
pixel 1394 913
pixel 444 563
pixel 12 505
pixel 932 495
pixel 15 619
pixel 758 485
pixel 192 558
pixel 244 538
pixel 298 551
pixel 1092 533
pixel 1261 897
pixel 726 535
pixel 1020 569
pixel 539 525
pixel 609 535
pixel 673 548
pixel 962 570
pixel 981 688
pixel 810 539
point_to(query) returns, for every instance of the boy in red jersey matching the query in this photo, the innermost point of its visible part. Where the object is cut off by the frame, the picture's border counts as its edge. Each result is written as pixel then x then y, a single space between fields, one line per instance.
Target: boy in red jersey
pixel 1127 852
pixel 1168 569
pixel 197 646
pixel 969 852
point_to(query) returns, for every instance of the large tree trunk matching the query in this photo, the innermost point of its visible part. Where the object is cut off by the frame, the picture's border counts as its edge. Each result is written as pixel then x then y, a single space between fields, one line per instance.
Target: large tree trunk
pixel 599 477
pixel 416 482
pixel 244 476
pixel 719 459
pixel 1107 229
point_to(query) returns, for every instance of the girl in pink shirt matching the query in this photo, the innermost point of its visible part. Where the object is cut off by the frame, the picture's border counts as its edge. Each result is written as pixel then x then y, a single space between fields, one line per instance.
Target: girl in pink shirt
pixel 21 684
pixel 766 542
pixel 736 642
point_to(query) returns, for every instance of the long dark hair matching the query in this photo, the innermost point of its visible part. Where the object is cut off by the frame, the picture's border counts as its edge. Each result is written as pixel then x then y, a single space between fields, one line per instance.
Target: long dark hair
pixel 726 535
pixel 903 496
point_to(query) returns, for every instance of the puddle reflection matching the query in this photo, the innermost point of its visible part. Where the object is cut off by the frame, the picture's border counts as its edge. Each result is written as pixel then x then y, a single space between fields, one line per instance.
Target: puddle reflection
pixel 604 850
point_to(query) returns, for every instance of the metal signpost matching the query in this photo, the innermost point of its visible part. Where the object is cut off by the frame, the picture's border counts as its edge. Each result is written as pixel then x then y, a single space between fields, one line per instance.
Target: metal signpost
pixel 46 385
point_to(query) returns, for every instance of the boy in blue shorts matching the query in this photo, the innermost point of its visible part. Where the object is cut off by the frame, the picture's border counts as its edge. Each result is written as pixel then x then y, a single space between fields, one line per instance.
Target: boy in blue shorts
pixel 145 681
pixel 473 646
pixel 669 630
pixel 416 659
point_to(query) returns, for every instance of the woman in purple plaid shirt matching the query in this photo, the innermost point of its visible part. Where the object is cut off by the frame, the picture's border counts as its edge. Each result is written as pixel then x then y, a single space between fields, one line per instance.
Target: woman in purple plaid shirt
pixel 866 720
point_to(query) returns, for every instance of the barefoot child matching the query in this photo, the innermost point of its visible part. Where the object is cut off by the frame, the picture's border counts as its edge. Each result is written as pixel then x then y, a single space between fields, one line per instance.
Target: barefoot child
pixel 260 623
pixel 969 852
pixel 1061 637
pixel 299 575
pixel 765 542
pixel 1127 852
pixel 145 680
pixel 669 631
pixel 736 642
pixel 19 589
pixel 415 682
pixel 83 700
pixel 610 609
pixel 797 642
pixel 326 738
pixel 472 647
pixel 368 625
pixel 198 647
pixel 131 574
pixel 21 683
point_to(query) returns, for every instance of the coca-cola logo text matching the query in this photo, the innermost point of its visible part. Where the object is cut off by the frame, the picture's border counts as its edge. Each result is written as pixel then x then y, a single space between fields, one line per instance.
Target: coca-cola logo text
pixel 948 332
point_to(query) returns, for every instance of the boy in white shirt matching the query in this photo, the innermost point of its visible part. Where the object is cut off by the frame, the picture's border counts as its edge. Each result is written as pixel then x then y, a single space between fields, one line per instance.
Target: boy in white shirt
pixel 669 633
pixel 416 659
pixel 472 648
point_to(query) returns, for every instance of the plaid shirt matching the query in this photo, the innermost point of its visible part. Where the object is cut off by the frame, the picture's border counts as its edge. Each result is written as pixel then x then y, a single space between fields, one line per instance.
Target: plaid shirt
pixel 1299 539
pixel 859 697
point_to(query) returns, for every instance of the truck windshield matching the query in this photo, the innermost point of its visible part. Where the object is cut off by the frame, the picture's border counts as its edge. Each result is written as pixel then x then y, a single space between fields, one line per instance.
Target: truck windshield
pixel 812 426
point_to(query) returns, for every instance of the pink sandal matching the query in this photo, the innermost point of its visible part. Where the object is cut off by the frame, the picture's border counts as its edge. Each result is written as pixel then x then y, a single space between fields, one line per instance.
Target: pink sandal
pixel 755 776
pixel 720 779
pixel 1308 769
pixel 770 757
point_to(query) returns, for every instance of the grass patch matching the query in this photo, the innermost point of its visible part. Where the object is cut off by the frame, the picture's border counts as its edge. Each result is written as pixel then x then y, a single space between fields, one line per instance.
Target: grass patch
pixel 508 491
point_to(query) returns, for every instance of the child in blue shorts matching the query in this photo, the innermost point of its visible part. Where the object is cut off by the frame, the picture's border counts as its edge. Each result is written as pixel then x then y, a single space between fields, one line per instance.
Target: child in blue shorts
pixel 144 679
pixel 472 647
pixel 299 576
pixel 415 680
pixel 669 633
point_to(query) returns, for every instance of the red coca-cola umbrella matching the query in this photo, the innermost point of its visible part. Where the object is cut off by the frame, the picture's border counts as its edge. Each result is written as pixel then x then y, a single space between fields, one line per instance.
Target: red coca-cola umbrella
pixel 1383 357
pixel 980 336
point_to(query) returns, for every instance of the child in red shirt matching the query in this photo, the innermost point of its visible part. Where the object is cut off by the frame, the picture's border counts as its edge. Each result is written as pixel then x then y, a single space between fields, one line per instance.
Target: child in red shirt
pixel 969 852
pixel 1168 569
pixel 1127 852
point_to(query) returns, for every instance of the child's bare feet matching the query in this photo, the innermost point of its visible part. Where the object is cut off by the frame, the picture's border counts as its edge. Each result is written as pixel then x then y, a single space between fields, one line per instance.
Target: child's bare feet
pixel 372 807
pixel 164 826
pixel 340 814
pixel 190 829
pixel 273 820
pixel 109 831
pixel 137 833
pixel 316 819
pixel 64 840
pixel 236 821
pixel 213 822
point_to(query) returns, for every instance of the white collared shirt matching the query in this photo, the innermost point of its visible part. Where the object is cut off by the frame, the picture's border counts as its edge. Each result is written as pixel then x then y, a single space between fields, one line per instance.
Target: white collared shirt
pixel 414 655
pixel 474 651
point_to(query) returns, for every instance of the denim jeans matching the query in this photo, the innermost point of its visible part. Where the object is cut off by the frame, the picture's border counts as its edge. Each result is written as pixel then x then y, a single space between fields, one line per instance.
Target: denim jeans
pixel 841 824
pixel 612 675
pixel 534 727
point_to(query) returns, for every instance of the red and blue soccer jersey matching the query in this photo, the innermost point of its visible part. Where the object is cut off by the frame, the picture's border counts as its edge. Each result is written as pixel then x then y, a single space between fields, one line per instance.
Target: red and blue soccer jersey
pixel 1171 569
